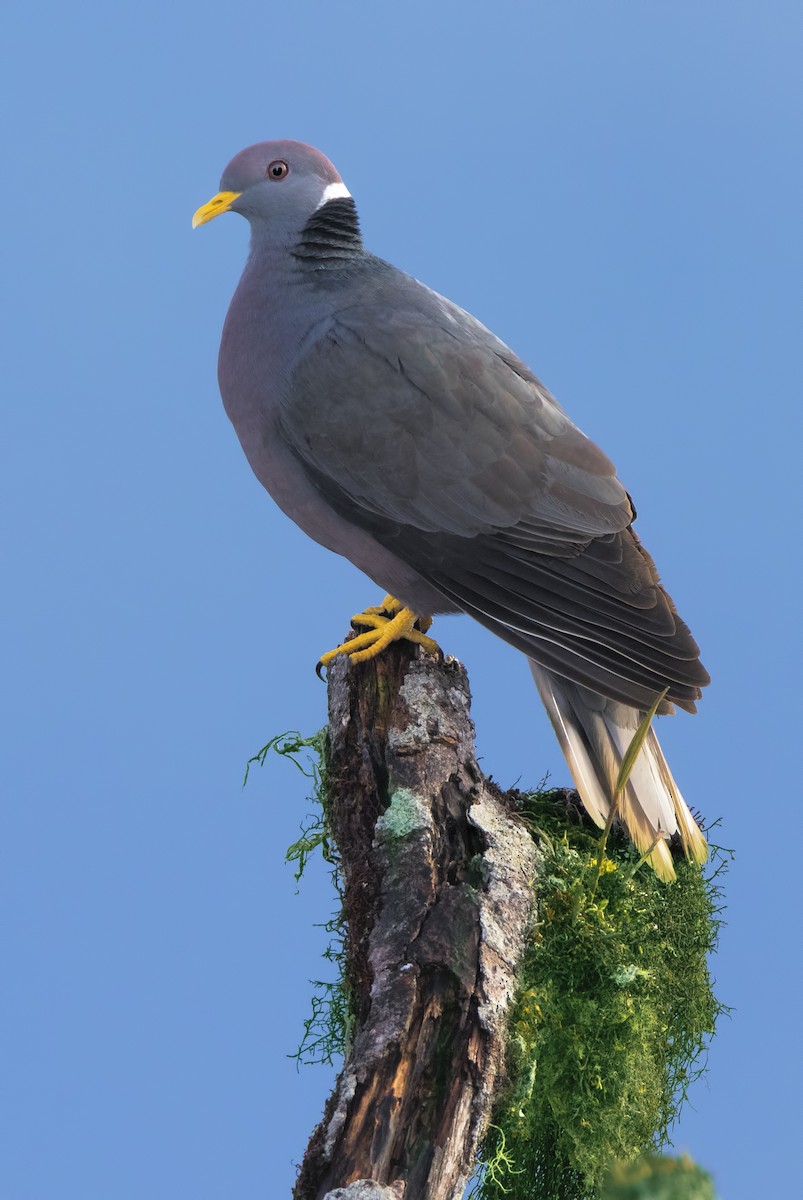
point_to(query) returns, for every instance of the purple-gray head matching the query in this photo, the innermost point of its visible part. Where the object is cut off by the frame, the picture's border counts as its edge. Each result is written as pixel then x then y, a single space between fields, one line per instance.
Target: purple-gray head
pixel 275 184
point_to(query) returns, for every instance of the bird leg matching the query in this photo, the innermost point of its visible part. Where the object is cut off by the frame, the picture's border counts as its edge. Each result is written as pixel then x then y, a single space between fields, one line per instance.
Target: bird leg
pixel 383 623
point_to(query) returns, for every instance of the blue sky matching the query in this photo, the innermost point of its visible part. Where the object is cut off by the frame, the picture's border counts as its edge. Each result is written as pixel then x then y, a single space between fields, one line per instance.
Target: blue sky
pixel 615 188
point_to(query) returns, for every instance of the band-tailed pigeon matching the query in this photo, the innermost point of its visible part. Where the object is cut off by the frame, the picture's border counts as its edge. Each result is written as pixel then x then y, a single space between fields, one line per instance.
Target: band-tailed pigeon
pixel 397 430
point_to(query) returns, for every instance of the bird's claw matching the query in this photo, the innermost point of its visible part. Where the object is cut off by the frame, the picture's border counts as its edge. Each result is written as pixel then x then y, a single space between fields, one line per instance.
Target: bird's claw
pixel 381 625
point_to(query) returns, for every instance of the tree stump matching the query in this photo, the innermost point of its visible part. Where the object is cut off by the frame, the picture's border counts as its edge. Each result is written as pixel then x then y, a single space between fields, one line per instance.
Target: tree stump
pixel 438 875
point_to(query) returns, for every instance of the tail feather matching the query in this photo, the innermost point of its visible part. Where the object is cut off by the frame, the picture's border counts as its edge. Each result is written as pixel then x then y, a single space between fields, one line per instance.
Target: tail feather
pixel 694 843
pixel 594 734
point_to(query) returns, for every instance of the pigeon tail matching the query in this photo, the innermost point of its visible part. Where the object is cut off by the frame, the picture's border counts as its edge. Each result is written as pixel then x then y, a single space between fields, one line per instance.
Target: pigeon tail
pixel 594 734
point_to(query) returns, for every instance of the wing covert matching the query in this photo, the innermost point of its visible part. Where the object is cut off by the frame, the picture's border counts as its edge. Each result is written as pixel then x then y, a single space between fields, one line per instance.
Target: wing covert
pixel 420 427
pixel 435 424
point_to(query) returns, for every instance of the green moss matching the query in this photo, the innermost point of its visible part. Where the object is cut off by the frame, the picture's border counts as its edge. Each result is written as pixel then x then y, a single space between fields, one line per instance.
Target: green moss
pixel 656 1178
pixel 309 756
pixel 612 1019
pixel 611 1022
pixel 327 1028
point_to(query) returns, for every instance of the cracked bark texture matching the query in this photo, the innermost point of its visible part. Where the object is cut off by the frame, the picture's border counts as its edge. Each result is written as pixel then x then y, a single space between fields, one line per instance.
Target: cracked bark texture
pixel 438 890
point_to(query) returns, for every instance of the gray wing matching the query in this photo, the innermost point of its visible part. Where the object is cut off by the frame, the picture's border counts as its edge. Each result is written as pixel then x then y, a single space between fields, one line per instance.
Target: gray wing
pixel 421 415
pixel 421 427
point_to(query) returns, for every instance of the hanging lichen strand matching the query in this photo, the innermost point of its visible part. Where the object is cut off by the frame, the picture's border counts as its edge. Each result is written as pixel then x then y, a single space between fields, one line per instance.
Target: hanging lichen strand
pixel 613 1016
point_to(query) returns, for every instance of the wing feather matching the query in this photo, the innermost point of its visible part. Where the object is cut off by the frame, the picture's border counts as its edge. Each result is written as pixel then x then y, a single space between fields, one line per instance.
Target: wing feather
pixel 420 427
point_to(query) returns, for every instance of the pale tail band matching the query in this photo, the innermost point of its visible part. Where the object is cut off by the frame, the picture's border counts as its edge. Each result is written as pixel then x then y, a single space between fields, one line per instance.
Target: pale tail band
pixel 594 734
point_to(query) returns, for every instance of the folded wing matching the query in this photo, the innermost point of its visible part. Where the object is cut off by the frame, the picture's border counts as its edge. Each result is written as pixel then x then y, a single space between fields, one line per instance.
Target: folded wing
pixel 419 426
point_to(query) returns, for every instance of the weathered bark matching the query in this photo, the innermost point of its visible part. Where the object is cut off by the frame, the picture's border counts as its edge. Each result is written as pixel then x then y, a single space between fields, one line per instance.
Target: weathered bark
pixel 438 874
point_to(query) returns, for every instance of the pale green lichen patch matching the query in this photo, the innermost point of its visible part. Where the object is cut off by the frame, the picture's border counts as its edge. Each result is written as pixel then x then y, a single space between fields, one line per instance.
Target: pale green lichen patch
pixel 406 813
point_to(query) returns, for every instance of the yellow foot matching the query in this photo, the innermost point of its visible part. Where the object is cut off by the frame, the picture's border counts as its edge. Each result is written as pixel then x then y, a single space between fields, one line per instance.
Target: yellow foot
pixel 384 623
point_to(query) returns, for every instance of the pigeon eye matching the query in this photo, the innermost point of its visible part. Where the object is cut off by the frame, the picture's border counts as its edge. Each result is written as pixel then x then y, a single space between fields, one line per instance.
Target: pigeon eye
pixel 277 169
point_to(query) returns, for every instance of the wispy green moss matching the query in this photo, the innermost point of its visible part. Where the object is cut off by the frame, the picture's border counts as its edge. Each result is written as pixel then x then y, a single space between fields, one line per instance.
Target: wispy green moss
pixel 612 1019
pixel 327 1028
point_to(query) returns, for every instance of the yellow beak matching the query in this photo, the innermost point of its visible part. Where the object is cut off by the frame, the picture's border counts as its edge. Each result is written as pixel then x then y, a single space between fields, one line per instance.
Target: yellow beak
pixel 220 203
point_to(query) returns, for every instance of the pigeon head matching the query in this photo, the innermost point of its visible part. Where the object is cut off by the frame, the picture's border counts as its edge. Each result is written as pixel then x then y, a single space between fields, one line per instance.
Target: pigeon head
pixel 278 186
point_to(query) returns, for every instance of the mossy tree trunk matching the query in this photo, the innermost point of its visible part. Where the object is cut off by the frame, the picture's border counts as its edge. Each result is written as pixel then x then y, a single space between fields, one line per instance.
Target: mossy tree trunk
pixel 437 872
